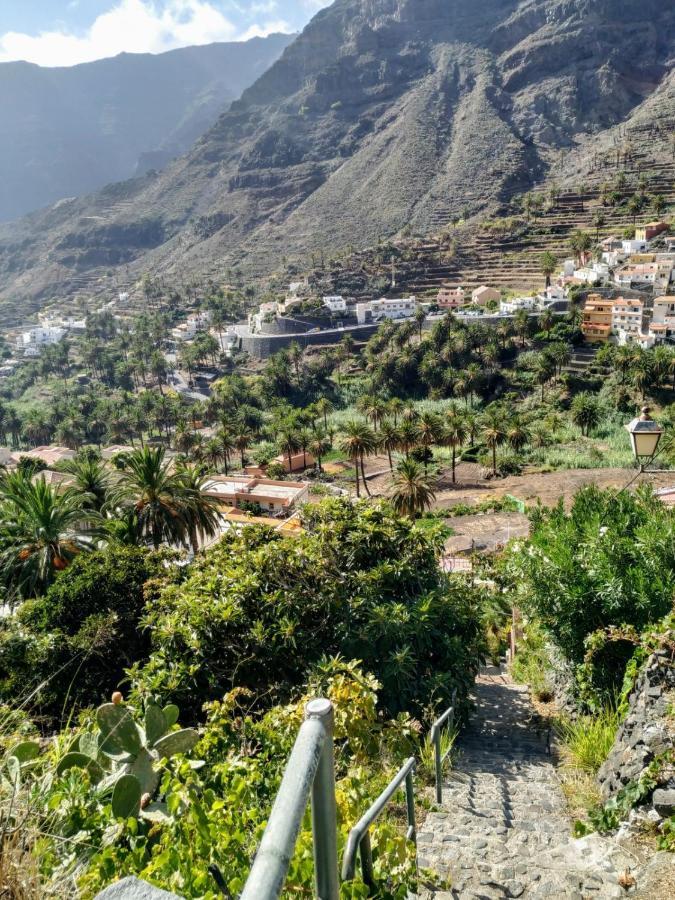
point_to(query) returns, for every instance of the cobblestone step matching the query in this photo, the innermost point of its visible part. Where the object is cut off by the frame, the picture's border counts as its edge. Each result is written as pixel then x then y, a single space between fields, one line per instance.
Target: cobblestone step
pixel 502 830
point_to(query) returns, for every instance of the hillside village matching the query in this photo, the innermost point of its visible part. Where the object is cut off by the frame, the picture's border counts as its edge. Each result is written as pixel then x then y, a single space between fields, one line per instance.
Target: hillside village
pixel 337 550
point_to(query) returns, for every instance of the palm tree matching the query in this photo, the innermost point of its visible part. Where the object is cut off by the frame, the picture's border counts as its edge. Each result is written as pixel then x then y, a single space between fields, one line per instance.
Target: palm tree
pixel 318 447
pixel 242 440
pixel 658 204
pixel 634 206
pixel 390 440
pixel 643 377
pixel 226 440
pixel 42 531
pixel 413 491
pixel 429 432
pixel 544 370
pixel 199 510
pixel 91 480
pixel 409 434
pixel 585 412
pixel 493 433
pixel 561 354
pixel 213 452
pixel 581 243
pixel 373 409
pixel 517 434
pixel 420 319
pixel 358 442
pixel 456 433
pixel 324 408
pixel 548 264
pixel 305 437
pixel 546 320
pixel 521 323
pixel 599 222
pixel 396 407
pixel 289 444
pixel 157 496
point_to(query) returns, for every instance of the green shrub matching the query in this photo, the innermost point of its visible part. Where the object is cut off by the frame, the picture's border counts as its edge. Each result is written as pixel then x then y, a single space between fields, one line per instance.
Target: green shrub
pixel 214 811
pixel 261 608
pixel 531 664
pixel 70 648
pixel 609 561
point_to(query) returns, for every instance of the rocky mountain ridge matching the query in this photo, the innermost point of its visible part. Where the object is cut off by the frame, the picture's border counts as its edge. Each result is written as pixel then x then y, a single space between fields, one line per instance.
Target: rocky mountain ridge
pixel 382 114
pixel 72 130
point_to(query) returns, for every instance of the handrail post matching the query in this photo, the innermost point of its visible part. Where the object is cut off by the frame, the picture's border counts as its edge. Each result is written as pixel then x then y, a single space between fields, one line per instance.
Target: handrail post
pixel 366 854
pixel 439 765
pixel 324 810
pixel 410 803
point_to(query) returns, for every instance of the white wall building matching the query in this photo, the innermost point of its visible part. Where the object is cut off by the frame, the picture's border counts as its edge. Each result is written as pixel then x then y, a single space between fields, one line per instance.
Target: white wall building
pixel 266 312
pixel 627 320
pixel 512 306
pixel 33 340
pixel 384 308
pixel 335 304
pixel 633 246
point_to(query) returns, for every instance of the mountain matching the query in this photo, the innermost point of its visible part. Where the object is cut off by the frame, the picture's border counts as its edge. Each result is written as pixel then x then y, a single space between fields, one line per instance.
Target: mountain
pixel 68 131
pixel 382 114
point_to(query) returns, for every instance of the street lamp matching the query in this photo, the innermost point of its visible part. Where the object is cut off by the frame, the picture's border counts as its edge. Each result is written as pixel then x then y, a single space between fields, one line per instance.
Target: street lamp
pixel 645 436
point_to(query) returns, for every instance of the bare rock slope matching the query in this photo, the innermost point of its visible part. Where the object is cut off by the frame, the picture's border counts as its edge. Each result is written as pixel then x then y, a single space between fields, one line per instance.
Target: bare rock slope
pixel 382 113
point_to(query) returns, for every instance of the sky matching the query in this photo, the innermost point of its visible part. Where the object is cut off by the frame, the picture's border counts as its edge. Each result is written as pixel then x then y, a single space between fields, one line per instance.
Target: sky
pixel 67 32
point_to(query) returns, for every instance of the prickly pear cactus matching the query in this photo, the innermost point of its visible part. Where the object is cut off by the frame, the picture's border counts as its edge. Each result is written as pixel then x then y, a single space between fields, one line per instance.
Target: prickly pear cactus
pixel 125 755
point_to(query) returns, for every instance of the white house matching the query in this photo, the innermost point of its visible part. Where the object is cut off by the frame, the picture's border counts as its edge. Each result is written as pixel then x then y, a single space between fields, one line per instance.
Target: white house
pixel 189 330
pixel 335 304
pixel 381 309
pixel 569 265
pixel 266 311
pixel 586 275
pixel 32 341
pixel 633 246
pixel 512 306
pixel 664 307
pixel 555 292
pixel 627 319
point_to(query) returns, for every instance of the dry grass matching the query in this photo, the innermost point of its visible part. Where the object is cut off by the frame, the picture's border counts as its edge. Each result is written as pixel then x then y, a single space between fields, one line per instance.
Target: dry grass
pixel 19 879
pixel 581 791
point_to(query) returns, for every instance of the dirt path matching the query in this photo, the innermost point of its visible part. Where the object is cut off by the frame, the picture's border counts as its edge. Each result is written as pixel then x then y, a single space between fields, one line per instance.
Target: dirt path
pixel 472 487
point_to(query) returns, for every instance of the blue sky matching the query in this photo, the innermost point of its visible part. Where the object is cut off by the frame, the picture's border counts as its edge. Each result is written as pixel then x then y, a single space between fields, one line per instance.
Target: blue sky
pixel 65 32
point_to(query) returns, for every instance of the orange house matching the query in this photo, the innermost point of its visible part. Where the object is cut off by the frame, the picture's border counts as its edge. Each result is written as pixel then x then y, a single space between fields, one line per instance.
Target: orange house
pixel 596 323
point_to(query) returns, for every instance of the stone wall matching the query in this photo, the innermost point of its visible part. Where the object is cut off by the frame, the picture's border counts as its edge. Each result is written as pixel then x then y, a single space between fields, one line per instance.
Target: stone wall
pixel 648 729
pixel 261 346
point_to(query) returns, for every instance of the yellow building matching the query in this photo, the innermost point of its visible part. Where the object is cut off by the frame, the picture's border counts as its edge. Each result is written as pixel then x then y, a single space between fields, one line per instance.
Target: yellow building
pixel 596 323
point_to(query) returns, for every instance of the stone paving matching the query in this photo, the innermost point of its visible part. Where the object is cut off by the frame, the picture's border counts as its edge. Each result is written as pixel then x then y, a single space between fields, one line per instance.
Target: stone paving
pixel 503 831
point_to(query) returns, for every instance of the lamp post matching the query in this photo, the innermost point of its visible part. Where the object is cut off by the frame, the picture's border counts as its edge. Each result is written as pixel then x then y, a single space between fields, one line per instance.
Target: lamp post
pixel 645 437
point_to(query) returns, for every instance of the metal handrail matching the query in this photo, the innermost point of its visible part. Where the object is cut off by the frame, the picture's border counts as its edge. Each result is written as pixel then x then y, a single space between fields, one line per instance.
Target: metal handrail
pixel 310 769
pixel 359 836
pixel 435 736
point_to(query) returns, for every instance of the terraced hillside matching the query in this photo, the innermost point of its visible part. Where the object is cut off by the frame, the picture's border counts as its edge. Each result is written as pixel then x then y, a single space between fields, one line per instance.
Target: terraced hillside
pixel 383 115
pixel 643 153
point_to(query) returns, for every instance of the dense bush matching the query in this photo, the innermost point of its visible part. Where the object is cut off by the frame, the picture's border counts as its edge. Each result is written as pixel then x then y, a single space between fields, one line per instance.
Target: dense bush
pixel 609 561
pixel 261 608
pixel 214 812
pixel 67 649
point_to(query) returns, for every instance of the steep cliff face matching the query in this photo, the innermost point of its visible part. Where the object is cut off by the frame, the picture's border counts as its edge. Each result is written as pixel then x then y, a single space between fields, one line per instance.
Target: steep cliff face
pixel 71 130
pixel 383 113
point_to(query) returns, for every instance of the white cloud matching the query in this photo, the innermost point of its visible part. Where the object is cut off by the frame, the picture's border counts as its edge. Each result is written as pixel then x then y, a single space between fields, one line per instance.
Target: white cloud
pixel 133 26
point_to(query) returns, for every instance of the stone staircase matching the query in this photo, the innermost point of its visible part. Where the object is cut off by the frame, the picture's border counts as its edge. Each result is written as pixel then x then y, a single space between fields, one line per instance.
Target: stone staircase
pixel 503 830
